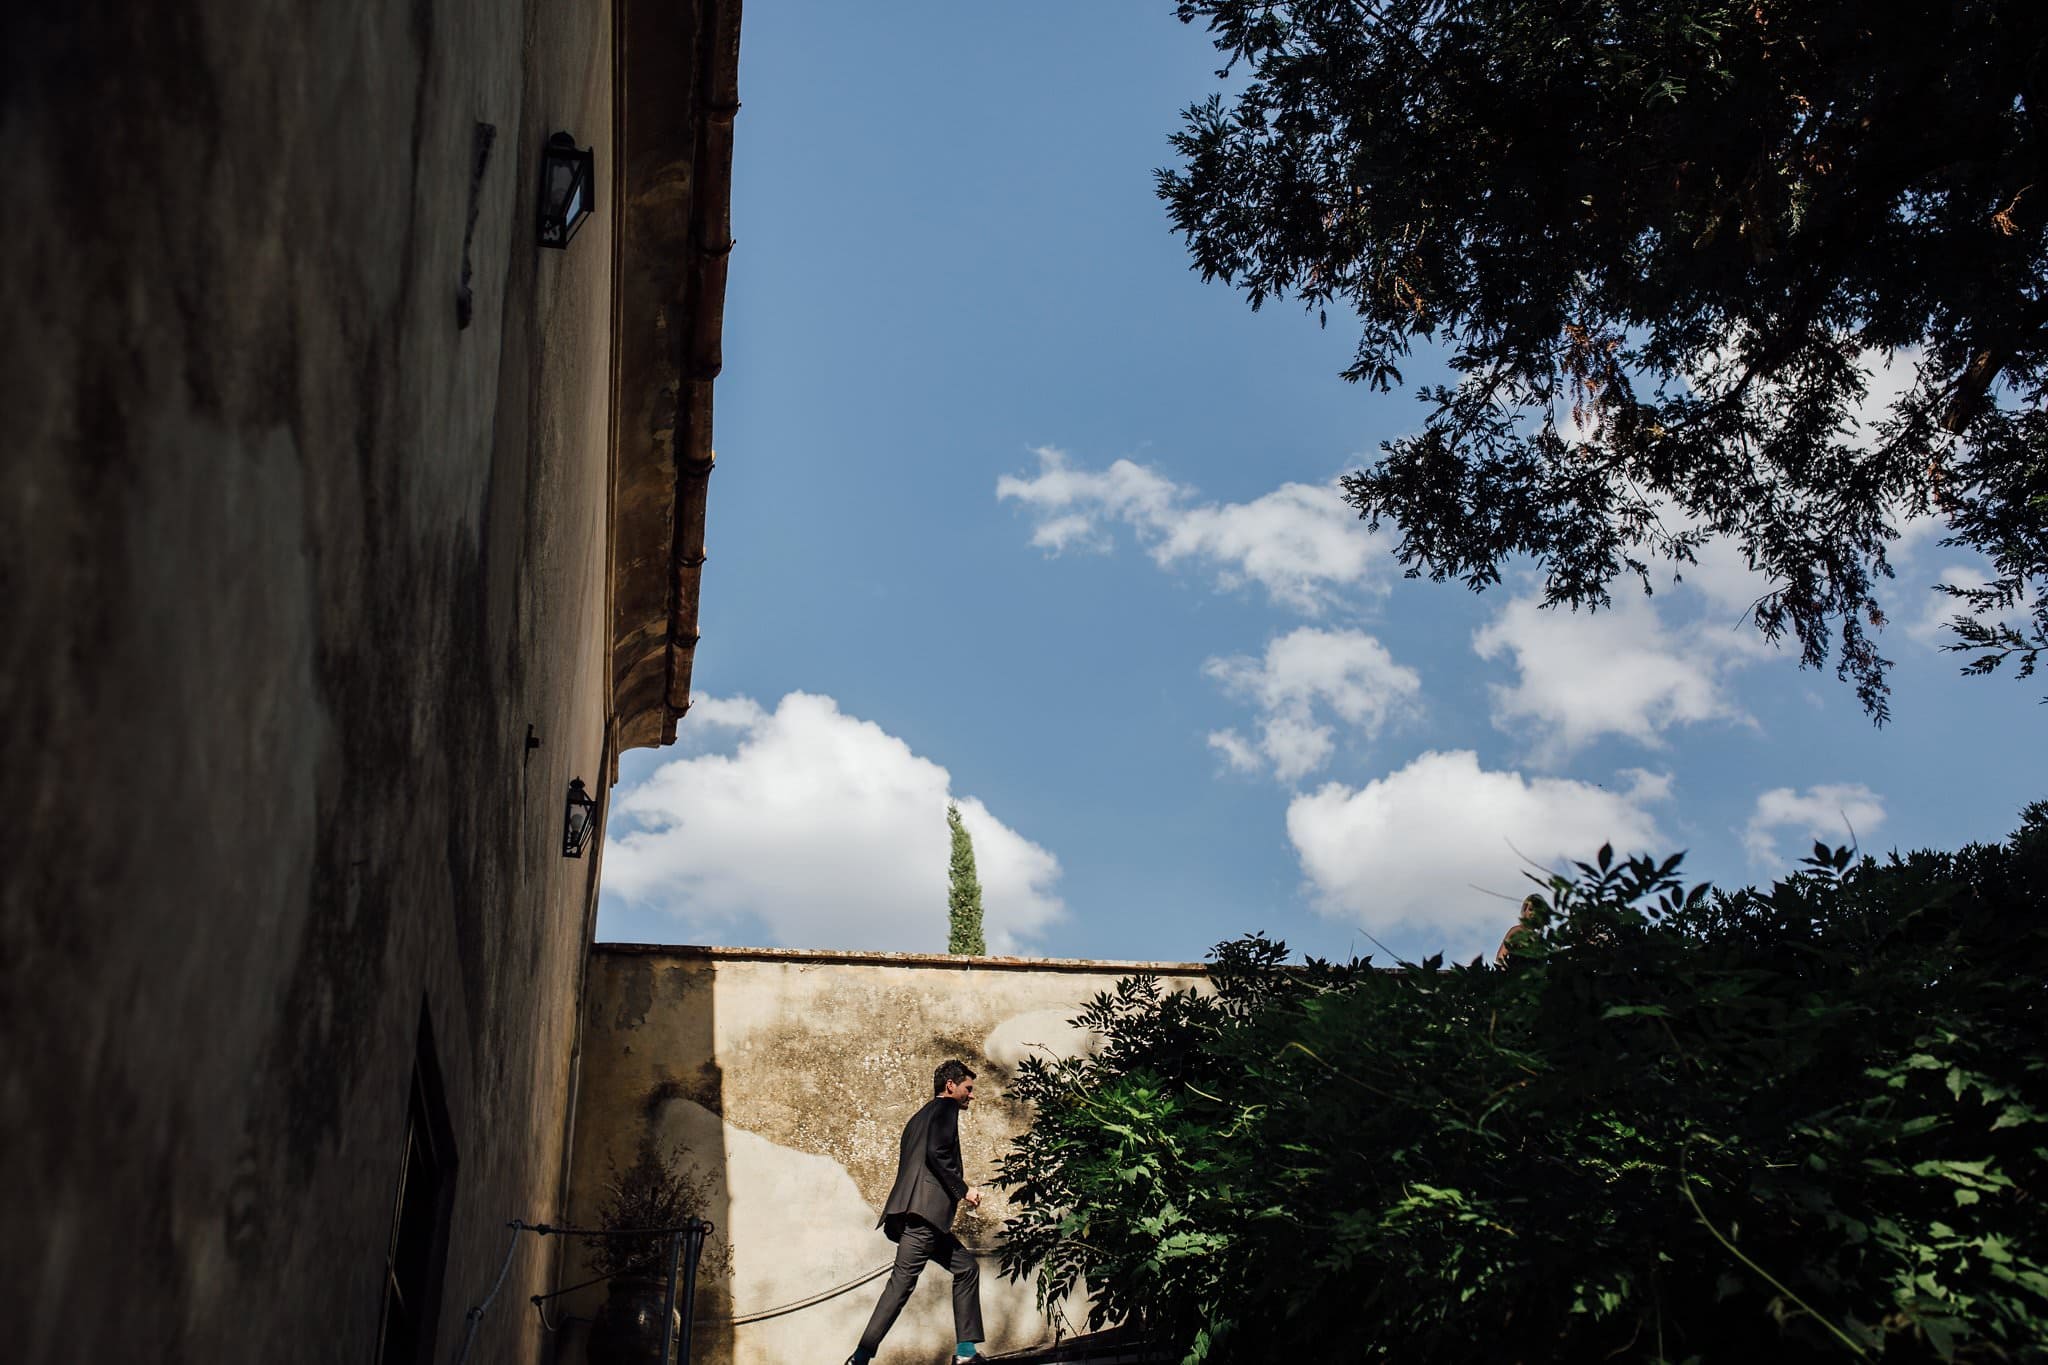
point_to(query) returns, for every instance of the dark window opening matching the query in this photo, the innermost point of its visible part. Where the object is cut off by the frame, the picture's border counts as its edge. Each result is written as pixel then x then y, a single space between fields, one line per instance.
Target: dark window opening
pixel 417 1251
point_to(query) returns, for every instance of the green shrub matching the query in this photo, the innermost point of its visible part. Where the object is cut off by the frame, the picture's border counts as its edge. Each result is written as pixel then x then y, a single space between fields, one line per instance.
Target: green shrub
pixel 1804 1122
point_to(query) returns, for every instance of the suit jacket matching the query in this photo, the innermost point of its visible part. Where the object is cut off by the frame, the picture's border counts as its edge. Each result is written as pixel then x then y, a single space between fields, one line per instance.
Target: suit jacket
pixel 929 1182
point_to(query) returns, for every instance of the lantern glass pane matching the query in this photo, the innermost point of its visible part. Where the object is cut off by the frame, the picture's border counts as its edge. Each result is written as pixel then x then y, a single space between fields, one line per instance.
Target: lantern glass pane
pixel 578 207
pixel 561 183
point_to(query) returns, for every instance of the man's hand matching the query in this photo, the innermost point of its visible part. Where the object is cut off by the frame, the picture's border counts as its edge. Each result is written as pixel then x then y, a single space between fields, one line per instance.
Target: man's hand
pixel 974 1199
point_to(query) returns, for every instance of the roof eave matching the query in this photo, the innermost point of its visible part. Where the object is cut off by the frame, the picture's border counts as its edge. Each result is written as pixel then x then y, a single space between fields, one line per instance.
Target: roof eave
pixel 677 95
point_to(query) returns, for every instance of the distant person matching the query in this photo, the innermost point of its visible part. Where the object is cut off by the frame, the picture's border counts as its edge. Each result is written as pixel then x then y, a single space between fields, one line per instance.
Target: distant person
pixel 918 1217
pixel 1532 910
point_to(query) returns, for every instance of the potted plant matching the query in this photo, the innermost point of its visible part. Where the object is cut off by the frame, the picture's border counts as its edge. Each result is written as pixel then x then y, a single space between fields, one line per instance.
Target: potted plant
pixel 655 1191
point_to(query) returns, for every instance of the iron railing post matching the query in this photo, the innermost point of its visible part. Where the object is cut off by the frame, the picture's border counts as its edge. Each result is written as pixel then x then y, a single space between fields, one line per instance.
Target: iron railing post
pixel 668 1314
pixel 697 1227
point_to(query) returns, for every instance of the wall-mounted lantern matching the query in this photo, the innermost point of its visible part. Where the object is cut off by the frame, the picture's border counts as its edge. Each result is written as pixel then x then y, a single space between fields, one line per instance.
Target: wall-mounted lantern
pixel 579 818
pixel 568 189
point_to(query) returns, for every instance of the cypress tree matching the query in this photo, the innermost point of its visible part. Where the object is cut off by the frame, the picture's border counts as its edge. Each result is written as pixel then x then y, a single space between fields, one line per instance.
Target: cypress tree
pixel 963 901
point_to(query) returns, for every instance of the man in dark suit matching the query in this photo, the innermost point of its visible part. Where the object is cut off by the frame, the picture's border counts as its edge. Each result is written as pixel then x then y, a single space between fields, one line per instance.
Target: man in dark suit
pixel 918 1216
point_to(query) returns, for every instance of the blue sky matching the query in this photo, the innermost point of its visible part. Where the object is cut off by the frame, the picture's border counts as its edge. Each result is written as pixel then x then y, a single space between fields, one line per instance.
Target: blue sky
pixel 1011 508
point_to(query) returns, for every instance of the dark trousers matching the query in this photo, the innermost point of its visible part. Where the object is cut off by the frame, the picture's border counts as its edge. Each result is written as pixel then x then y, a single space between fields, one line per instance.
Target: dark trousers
pixel 922 1242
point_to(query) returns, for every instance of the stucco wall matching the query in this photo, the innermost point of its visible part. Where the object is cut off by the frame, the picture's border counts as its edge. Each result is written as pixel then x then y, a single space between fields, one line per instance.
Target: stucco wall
pixel 788 1077
pixel 290 564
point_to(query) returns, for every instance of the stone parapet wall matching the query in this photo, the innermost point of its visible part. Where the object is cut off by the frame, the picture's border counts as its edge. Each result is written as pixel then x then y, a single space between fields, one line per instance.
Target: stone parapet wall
pixel 786 1077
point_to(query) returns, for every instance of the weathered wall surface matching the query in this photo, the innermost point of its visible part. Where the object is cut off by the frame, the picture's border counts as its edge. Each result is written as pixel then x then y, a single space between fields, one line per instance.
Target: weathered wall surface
pixel 290 564
pixel 787 1077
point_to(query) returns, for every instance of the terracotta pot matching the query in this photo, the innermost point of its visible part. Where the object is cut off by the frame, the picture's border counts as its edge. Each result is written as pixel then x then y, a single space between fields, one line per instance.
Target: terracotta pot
pixel 627 1330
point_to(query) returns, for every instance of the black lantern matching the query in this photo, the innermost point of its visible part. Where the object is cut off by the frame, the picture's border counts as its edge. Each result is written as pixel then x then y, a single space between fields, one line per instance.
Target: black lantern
pixel 568 189
pixel 579 818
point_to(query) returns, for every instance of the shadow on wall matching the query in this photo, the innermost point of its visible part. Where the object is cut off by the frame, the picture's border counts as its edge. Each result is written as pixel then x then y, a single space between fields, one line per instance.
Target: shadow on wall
pixel 649 1057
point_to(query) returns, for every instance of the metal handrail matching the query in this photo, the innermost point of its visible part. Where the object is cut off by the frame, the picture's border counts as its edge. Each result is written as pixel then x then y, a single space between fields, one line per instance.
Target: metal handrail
pixel 687 1237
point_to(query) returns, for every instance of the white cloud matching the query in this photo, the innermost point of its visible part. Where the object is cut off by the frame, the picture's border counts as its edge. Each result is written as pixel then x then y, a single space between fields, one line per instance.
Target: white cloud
pixel 722 713
pixel 1414 854
pixel 1927 621
pixel 1727 585
pixel 1236 751
pixel 1917 534
pixel 1301 542
pixel 1829 812
pixel 1729 588
pixel 1912 605
pixel 824 827
pixel 1928 624
pixel 1305 675
pixel 1618 671
pixel 1888 376
pixel 1073 504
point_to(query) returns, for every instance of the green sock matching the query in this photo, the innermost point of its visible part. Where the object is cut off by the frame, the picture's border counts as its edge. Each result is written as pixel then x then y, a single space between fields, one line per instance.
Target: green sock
pixel 965 1351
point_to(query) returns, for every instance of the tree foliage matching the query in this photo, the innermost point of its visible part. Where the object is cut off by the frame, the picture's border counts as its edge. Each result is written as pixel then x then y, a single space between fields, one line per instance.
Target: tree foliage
pixel 1807 1122
pixel 963 897
pixel 1666 244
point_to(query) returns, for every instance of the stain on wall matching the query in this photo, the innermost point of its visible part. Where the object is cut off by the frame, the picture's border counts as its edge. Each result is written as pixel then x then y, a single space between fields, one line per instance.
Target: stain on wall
pixel 787 1077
